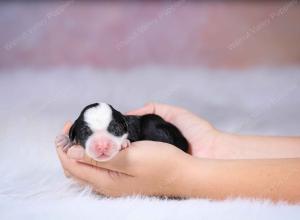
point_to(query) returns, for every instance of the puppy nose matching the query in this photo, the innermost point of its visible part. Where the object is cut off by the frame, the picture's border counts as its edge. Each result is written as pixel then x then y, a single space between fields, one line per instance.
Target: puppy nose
pixel 102 147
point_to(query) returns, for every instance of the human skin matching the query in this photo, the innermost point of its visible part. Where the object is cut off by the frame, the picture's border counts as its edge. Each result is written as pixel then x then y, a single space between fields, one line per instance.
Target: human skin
pixel 155 168
pixel 208 142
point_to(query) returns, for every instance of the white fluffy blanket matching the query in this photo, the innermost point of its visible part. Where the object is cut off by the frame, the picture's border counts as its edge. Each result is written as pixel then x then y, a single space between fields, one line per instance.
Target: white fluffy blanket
pixel 35 104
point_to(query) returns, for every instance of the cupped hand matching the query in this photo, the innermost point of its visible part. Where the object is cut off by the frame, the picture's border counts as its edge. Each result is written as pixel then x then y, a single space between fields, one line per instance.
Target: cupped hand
pixel 146 167
pixel 200 134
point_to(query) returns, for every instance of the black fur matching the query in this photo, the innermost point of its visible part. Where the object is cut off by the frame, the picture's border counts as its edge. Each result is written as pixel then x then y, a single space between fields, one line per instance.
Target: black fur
pixel 154 128
pixel 118 125
pixel 80 131
pixel 147 127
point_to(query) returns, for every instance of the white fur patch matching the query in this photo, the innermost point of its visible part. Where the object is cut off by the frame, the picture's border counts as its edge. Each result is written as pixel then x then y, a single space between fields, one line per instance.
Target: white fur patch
pixel 99 117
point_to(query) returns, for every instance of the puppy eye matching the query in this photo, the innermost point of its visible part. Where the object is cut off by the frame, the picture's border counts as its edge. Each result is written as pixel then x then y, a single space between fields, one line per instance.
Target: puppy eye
pixel 117 128
pixel 85 131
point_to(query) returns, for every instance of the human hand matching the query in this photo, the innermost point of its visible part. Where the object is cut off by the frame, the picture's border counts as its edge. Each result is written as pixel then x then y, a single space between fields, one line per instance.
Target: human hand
pixel 200 134
pixel 147 168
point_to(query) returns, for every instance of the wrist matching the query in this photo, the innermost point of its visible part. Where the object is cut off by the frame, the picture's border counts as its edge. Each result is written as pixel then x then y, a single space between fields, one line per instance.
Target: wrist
pixel 218 145
pixel 203 178
pixel 189 177
pixel 224 146
pixel 215 146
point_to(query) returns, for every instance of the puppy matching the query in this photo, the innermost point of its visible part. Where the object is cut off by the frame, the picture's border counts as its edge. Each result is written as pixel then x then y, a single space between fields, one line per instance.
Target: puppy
pixel 103 131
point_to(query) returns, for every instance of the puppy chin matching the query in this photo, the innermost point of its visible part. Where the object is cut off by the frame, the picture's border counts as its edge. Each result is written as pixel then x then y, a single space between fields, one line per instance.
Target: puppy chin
pixel 101 158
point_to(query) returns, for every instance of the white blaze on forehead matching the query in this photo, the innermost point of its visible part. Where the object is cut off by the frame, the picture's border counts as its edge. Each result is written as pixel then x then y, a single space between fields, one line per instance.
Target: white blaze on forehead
pixel 98 117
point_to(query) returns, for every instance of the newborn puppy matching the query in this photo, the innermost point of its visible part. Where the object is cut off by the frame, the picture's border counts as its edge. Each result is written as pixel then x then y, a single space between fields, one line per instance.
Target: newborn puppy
pixel 103 131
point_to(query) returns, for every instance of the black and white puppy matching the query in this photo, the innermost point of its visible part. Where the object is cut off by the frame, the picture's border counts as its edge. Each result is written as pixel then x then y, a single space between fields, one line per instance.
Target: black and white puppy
pixel 103 131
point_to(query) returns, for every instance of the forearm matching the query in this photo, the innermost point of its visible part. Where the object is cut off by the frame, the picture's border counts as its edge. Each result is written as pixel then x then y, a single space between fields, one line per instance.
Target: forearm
pixel 218 179
pixel 230 146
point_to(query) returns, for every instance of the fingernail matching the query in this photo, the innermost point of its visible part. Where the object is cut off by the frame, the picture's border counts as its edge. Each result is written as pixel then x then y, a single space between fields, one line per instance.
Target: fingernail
pixel 76 153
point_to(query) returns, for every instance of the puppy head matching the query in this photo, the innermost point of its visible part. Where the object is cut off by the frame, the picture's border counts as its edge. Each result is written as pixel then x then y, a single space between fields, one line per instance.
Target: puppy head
pixel 101 130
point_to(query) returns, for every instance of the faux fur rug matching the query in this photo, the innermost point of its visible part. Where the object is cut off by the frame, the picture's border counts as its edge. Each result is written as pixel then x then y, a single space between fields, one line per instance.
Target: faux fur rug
pixel 35 104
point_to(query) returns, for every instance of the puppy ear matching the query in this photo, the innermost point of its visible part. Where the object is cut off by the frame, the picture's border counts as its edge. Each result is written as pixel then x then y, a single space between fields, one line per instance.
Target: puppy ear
pixel 72 131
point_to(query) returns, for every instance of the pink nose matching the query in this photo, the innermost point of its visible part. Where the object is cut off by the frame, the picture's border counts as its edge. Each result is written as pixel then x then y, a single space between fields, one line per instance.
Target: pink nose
pixel 102 147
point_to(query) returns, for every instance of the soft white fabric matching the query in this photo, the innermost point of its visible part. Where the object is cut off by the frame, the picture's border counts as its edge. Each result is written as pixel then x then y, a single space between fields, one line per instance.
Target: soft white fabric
pixel 35 104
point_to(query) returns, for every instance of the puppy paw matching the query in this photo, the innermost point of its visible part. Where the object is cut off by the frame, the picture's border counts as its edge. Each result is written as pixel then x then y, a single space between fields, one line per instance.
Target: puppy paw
pixel 63 141
pixel 125 144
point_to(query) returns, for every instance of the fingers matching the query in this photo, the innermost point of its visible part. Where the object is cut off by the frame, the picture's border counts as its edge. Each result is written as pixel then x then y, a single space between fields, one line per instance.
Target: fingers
pixel 146 109
pixel 85 173
pixel 118 163
pixel 167 112
pixel 77 166
pixel 149 108
pixel 80 181
pixel 104 181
